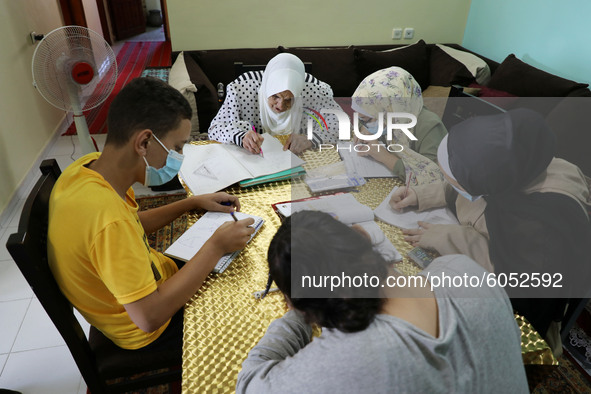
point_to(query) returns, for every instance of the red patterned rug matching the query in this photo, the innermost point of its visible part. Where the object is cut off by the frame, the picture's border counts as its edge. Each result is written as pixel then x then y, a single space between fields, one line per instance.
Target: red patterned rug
pixel 132 59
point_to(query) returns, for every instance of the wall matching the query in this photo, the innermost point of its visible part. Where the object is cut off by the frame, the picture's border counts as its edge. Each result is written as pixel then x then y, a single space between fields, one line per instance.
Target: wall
pixel 28 121
pixel 550 35
pixel 210 24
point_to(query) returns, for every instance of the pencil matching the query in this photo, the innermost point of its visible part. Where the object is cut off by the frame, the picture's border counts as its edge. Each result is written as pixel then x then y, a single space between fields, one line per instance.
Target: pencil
pixel 407 185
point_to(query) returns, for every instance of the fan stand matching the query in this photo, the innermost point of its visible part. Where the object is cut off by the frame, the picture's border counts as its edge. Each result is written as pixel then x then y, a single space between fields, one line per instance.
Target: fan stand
pixel 86 142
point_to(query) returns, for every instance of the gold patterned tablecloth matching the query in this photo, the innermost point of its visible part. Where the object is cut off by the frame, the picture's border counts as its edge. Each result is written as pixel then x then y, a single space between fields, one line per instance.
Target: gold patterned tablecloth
pixel 223 321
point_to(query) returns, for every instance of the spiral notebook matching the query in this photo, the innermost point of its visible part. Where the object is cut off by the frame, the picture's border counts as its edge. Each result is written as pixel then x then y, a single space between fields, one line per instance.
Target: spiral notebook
pixel 185 247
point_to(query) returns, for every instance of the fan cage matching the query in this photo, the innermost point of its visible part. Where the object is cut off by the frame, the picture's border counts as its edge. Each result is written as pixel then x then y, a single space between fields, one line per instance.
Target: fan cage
pixel 54 58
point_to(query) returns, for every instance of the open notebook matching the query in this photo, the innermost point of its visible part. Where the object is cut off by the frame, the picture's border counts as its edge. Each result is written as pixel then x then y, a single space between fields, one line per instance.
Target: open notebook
pixel 347 209
pixel 212 167
pixel 185 247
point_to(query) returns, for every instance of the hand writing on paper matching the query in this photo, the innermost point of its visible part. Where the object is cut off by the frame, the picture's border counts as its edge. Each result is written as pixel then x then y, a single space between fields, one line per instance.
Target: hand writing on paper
pixel 403 198
pixel 232 236
pixel 252 142
pixel 217 202
pixel 297 143
pixel 413 236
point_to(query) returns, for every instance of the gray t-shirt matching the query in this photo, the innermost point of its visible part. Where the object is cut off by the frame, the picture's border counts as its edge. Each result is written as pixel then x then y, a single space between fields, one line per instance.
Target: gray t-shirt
pixel 478 349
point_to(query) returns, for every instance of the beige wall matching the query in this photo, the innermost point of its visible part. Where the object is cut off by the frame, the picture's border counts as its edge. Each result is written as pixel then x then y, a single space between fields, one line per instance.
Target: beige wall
pixel 28 121
pixel 210 24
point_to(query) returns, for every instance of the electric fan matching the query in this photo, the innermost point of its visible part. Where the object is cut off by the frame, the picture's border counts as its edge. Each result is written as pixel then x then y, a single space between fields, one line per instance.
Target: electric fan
pixel 74 69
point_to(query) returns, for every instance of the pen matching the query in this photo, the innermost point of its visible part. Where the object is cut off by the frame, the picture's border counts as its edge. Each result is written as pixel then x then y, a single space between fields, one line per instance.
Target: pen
pixel 228 203
pixel 260 149
pixel 407 185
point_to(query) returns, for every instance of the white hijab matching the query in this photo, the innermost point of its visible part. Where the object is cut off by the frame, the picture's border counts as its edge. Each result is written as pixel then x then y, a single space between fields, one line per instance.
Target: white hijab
pixel 284 72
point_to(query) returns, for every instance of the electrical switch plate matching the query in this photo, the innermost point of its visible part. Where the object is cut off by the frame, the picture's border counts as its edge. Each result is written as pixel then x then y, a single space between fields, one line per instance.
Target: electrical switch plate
pixel 397 33
pixel 409 32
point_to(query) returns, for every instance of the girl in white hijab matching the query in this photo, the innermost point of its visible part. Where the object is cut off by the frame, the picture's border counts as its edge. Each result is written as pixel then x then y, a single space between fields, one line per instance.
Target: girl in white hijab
pixel 277 101
pixel 284 74
pixel 394 89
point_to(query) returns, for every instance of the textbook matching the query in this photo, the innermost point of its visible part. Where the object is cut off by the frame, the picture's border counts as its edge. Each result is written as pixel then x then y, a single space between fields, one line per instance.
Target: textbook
pixel 185 247
pixel 345 208
pixel 212 167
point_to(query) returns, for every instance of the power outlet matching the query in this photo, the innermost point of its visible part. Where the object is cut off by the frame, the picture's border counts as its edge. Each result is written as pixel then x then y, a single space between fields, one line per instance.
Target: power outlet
pixel 397 33
pixel 409 32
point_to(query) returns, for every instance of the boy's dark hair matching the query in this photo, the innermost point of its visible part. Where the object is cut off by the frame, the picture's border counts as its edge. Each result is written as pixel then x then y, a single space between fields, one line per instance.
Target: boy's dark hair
pixel 313 243
pixel 145 103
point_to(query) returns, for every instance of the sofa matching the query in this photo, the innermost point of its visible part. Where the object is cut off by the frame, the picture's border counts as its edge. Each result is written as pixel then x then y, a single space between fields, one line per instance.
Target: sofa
pixel 203 74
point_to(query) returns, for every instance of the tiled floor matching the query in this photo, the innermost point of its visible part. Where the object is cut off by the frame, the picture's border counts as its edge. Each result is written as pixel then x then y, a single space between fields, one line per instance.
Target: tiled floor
pixel 33 357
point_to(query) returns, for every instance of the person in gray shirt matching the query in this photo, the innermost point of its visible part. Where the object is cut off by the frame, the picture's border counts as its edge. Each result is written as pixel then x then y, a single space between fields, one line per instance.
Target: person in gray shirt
pixel 380 338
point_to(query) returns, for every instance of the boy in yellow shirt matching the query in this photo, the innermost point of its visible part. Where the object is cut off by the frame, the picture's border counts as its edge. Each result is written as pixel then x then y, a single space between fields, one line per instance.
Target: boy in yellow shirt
pixel 97 244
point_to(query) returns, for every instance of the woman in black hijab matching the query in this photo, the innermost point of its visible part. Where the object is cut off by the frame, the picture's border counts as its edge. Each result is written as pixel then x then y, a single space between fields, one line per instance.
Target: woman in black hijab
pixel 517 204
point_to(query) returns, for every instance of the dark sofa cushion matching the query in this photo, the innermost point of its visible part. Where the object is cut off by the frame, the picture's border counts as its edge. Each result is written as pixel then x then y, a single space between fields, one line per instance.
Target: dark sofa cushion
pixel 218 64
pixel 413 58
pixel 335 66
pixel 521 79
pixel 205 96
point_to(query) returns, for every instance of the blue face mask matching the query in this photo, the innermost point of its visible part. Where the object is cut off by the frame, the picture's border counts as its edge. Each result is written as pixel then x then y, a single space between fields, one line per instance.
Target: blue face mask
pixel 465 194
pixel 372 127
pixel 156 177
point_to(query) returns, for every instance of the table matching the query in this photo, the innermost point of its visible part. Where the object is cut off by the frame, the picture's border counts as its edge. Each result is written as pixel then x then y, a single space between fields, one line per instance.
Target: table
pixel 223 320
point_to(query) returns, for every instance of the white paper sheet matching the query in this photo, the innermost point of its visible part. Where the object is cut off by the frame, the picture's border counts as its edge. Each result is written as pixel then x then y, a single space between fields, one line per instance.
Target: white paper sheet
pixel 364 166
pixel 409 219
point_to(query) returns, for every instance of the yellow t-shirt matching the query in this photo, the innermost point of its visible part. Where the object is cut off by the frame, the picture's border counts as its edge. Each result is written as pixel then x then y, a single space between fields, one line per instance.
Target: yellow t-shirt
pixel 99 253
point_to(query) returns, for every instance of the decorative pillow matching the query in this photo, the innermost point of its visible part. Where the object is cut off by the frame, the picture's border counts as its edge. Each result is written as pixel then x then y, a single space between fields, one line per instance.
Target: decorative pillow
pixel 179 79
pixel 521 79
pixel 413 58
pixel 486 91
pixel 335 66
pixel 450 66
pixel 206 95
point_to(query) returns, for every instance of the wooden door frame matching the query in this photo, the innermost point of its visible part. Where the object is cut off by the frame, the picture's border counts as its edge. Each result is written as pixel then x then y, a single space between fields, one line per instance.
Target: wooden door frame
pixel 73 12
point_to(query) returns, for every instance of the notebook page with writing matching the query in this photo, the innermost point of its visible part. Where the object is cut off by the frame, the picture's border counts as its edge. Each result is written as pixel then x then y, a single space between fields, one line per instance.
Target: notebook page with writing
pixel 208 168
pixel 409 219
pixel 274 158
pixel 363 166
pixel 343 207
pixel 188 244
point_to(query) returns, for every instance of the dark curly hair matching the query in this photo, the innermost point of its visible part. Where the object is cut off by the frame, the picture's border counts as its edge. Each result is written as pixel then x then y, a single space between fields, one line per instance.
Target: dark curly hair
pixel 145 103
pixel 314 244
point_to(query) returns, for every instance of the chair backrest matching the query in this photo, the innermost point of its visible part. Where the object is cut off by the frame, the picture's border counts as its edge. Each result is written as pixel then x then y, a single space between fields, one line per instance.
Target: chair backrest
pixel 28 248
pixel 240 68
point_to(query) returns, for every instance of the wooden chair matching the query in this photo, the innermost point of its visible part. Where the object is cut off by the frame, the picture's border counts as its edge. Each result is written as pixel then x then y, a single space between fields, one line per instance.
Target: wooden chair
pixel 240 68
pixel 105 367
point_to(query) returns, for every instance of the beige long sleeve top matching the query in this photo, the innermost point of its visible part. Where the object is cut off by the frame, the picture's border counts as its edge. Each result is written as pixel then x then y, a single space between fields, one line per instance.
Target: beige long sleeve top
pixel 471 236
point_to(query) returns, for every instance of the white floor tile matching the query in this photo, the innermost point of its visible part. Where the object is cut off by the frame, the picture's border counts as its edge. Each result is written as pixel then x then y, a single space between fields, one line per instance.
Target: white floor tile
pixel 44 371
pixel 13 285
pixel 13 313
pixel 15 216
pixel 82 388
pixel 64 146
pixel 37 330
pixel 4 234
pixel 85 325
pixel 100 140
pixel 3 358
